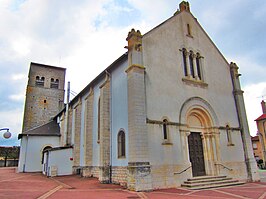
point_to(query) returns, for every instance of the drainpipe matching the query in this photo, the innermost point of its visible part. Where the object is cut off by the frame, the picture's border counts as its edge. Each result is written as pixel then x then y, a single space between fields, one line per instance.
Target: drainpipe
pixel 67 115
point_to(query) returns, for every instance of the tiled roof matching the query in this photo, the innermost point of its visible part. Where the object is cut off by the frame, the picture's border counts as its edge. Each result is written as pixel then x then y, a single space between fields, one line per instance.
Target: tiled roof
pixel 255 138
pixel 49 129
pixel 262 117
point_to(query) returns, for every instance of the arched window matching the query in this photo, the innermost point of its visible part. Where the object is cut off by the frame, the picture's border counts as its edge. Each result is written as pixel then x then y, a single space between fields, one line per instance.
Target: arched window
pixel 184 53
pixel 54 83
pixel 99 118
pixel 191 64
pixel 39 81
pixel 121 144
pixel 165 130
pixel 198 65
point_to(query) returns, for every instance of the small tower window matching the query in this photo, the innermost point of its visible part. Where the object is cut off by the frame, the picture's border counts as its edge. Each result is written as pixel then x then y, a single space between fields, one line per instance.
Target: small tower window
pixel 39 81
pixel 54 83
pixel 121 144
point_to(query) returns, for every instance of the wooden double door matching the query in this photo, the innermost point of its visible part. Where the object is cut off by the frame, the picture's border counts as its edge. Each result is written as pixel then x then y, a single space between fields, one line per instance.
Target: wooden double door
pixel 196 154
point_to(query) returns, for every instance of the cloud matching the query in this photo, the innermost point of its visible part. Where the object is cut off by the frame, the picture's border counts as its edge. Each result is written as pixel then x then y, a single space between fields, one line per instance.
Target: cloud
pixel 253 95
pixel 86 36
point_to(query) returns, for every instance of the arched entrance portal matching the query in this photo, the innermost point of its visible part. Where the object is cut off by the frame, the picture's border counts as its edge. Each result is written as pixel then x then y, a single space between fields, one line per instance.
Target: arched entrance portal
pixel 201 136
pixel 198 122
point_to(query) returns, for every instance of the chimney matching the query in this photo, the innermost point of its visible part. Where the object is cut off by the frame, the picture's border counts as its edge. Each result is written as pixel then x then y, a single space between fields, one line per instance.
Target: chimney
pixel 263 107
pixel 184 6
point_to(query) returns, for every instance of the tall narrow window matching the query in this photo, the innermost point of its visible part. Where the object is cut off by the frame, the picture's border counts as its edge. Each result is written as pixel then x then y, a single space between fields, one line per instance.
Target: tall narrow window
pixel 191 64
pixel 188 30
pixel 228 134
pixel 198 66
pixel 184 53
pixel 121 144
pixel 99 118
pixel 165 130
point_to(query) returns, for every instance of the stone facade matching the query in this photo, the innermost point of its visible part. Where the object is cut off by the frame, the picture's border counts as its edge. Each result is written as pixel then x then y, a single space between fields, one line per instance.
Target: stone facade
pixel 171 92
pixel 43 101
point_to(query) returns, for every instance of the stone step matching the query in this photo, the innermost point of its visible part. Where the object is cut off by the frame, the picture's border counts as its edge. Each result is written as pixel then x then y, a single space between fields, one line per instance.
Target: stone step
pixel 216 185
pixel 190 181
pixel 206 177
pixel 206 182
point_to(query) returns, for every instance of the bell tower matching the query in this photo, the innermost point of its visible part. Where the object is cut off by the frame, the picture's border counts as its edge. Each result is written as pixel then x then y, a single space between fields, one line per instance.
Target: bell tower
pixel 44 94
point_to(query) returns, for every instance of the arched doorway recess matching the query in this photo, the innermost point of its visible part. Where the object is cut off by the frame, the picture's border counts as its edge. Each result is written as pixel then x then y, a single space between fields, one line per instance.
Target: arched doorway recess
pixel 199 129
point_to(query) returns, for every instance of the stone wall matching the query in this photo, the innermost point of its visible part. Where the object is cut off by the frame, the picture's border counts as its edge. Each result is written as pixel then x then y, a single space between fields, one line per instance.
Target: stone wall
pixel 42 102
pixel 119 175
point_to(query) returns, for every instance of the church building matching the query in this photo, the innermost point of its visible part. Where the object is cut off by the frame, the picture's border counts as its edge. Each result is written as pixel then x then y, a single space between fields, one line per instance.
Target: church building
pixel 169 109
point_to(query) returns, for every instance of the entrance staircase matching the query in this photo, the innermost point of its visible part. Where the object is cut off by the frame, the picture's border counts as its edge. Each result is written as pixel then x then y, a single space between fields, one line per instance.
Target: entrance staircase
pixel 207 182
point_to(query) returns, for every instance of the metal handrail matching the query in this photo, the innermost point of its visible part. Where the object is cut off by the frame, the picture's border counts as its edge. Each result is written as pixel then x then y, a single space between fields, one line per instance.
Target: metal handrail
pixel 223 166
pixel 183 170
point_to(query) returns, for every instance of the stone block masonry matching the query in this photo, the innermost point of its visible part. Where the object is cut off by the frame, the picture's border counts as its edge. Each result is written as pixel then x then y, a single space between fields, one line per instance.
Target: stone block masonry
pixel 77 135
pixel 105 131
pixel 89 129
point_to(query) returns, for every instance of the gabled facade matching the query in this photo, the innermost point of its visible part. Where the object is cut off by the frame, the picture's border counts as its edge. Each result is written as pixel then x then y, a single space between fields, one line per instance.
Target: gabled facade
pixel 260 121
pixel 169 109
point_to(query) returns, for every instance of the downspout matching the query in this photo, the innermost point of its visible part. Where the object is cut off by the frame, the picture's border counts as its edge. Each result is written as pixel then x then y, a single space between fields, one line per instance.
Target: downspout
pixel 67 115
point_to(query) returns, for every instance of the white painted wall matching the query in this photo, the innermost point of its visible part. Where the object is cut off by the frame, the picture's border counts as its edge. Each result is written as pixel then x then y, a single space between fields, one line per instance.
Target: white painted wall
pixel 31 153
pixel 60 159
pixel 119 112
pixel 96 146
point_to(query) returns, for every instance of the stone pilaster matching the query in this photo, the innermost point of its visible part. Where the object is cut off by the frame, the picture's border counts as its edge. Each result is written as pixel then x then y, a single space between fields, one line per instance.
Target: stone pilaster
pixel 88 127
pixel 87 170
pixel 69 126
pixel 104 175
pixel 139 176
pixel 251 165
pixel 77 135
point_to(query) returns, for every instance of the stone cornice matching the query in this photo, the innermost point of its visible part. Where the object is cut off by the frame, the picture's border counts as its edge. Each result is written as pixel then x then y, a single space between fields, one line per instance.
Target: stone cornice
pixel 135 66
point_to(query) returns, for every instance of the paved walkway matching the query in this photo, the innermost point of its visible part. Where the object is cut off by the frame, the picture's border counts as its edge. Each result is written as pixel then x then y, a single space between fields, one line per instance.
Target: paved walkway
pixel 34 185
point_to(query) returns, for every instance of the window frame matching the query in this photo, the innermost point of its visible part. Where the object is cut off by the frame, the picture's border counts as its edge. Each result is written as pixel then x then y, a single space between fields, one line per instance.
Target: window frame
pixel 121 144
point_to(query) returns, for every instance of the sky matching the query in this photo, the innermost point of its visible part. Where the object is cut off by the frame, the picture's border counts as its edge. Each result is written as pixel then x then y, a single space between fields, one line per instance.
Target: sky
pixel 86 36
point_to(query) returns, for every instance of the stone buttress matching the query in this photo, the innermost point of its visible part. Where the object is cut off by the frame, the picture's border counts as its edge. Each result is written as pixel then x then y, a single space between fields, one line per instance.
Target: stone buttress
pixel 251 165
pixel 139 169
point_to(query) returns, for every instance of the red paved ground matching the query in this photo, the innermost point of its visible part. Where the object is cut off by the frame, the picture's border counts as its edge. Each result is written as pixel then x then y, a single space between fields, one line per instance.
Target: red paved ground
pixel 34 185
